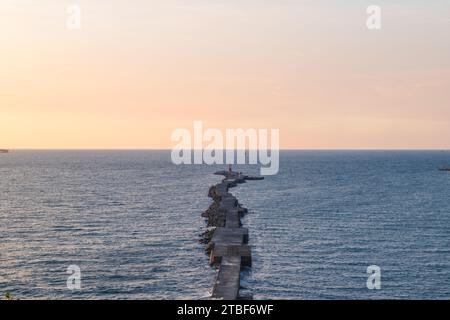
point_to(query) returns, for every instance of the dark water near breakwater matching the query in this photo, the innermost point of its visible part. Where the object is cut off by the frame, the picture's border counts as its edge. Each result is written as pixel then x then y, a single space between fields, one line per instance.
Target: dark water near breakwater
pixel 131 219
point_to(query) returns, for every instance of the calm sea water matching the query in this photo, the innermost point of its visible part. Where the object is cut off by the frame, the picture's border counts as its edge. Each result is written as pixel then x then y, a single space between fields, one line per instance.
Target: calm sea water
pixel 130 220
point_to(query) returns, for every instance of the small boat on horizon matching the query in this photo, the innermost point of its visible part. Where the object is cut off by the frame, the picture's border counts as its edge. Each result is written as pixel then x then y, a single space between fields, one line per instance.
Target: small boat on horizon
pixel 444 168
pixel 4 151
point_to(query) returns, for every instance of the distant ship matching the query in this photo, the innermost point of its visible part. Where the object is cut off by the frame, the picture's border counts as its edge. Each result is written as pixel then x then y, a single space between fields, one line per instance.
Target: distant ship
pixel 4 151
pixel 444 169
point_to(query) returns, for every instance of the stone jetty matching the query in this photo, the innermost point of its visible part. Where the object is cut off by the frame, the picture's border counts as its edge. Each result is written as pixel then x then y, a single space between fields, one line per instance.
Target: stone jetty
pixel 226 240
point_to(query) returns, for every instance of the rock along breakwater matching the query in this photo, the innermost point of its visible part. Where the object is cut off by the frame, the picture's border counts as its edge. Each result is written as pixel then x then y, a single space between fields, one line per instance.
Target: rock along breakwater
pixel 226 240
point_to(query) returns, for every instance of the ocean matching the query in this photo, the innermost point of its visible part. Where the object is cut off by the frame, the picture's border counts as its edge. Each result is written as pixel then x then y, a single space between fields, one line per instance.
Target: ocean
pixel 131 220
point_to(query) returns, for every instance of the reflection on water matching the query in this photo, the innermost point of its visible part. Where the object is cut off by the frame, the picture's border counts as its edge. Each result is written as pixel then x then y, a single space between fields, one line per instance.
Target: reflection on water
pixel 131 221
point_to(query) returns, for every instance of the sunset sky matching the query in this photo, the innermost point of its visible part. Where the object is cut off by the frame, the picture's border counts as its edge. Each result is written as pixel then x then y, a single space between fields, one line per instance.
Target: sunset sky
pixel 137 70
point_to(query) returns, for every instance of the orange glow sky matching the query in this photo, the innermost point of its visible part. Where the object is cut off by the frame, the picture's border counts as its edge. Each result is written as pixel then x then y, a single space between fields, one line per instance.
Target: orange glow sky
pixel 134 73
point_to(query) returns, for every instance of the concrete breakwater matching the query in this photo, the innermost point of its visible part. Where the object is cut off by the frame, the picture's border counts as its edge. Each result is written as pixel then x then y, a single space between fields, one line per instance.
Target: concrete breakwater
pixel 226 240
